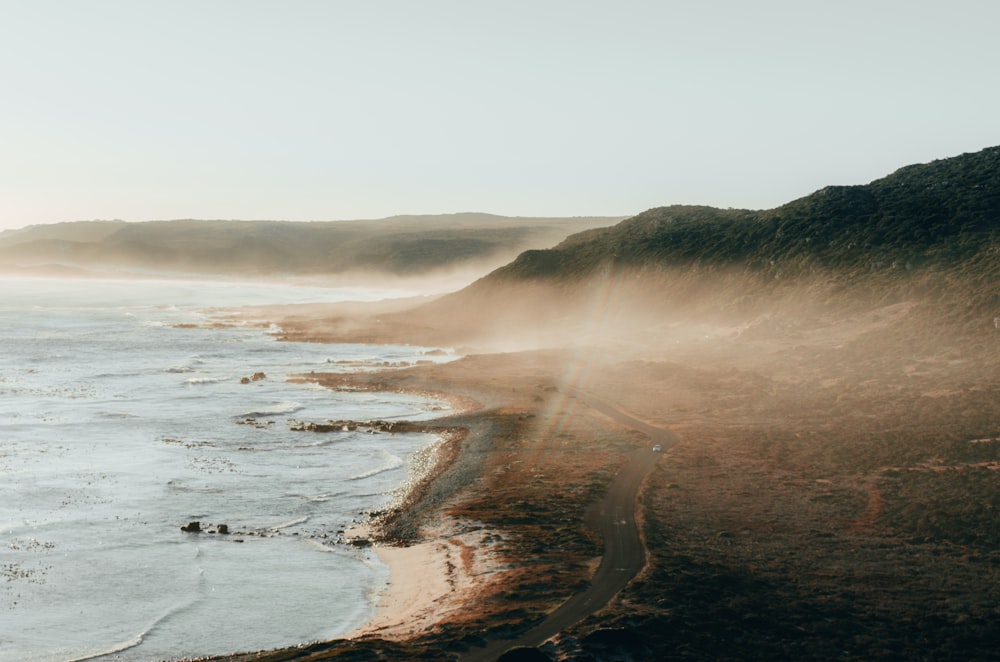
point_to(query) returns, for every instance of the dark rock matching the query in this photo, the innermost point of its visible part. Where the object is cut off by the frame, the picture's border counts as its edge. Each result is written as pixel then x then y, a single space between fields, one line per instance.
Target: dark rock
pixel 222 528
pixel 192 527
pixel 524 654
pixel 613 638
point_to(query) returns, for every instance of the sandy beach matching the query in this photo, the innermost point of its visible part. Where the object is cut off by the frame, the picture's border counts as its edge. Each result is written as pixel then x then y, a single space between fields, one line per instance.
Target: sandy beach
pixel 431 581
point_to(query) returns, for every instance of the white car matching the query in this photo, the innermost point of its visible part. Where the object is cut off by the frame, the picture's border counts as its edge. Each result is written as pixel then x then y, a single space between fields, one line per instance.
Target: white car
pixel 657 448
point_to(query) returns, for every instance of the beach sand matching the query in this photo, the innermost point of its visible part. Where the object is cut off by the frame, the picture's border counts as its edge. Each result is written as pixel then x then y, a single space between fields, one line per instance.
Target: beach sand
pixel 431 581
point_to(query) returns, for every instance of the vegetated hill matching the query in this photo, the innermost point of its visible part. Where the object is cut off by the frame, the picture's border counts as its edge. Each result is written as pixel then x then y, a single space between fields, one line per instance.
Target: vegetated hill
pixel 930 232
pixel 398 246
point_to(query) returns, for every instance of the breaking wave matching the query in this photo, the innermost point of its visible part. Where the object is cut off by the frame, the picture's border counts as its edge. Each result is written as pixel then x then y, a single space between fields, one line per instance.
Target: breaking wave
pixel 391 462
pixel 294 522
pixel 276 409
pixel 204 380
pixel 135 642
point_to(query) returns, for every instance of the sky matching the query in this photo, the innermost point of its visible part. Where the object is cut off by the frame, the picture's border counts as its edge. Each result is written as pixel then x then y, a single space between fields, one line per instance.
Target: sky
pixel 330 109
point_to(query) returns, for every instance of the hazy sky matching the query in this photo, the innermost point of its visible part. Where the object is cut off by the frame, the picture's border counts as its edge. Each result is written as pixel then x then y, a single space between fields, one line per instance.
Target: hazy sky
pixel 325 110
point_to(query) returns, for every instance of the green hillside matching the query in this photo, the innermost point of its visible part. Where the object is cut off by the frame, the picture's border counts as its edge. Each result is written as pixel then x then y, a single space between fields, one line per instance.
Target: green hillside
pixel 928 231
pixel 945 211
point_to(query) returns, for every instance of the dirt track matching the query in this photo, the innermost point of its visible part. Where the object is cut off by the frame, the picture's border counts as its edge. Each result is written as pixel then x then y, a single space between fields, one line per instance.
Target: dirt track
pixel 624 551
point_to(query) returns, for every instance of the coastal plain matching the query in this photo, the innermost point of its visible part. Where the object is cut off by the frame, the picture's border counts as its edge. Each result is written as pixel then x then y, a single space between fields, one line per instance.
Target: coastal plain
pixel 830 495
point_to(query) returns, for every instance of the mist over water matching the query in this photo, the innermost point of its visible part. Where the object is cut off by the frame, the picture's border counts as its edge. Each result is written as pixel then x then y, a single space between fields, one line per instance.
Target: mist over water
pixel 123 418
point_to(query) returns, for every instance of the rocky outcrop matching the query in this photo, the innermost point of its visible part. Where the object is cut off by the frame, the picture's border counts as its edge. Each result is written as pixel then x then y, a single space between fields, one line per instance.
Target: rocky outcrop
pixel 255 377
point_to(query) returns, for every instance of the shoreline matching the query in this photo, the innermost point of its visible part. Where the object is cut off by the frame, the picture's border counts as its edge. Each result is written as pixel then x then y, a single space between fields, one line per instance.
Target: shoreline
pixel 455 555
pixel 437 566
pixel 429 580
pixel 456 544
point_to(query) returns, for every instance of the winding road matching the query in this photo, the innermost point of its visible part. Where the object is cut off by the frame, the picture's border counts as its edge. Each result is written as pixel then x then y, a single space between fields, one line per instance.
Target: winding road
pixel 624 553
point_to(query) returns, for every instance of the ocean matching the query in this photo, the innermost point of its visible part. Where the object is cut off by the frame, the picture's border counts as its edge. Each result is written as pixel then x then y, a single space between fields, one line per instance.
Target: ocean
pixel 125 415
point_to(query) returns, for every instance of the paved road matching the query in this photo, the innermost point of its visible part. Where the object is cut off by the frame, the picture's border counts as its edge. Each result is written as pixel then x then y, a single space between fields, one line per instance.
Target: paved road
pixel 624 553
